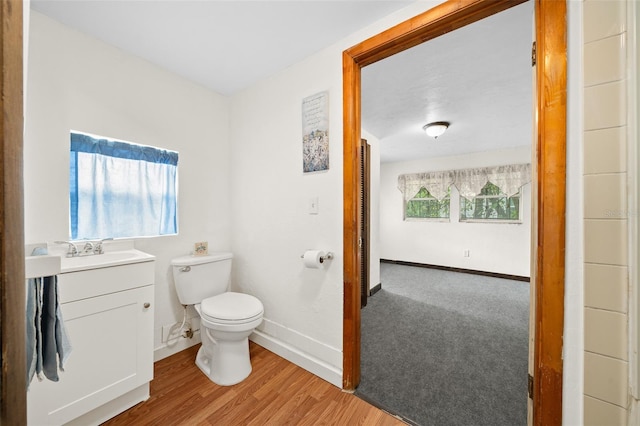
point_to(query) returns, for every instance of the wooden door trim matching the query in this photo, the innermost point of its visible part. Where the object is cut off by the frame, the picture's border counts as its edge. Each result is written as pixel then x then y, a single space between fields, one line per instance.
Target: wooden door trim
pixel 13 404
pixel 351 227
pixel 551 166
pixel 551 75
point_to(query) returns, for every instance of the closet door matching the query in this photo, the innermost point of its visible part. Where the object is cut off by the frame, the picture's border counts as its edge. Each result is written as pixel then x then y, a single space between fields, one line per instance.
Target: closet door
pixel 365 188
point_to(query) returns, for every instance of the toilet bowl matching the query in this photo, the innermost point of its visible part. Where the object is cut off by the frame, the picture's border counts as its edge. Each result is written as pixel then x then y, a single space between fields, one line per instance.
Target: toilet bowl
pixel 226 318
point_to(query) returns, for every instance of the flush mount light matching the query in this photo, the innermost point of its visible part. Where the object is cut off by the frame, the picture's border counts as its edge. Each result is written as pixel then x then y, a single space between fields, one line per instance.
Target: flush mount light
pixel 436 128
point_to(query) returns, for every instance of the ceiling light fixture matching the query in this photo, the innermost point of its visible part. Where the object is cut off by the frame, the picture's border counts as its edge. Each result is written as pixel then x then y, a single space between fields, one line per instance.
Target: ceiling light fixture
pixel 436 128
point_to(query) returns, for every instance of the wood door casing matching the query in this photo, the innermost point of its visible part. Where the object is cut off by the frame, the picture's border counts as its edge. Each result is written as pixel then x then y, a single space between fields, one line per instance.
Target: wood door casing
pixel 13 406
pixel 551 71
pixel 551 30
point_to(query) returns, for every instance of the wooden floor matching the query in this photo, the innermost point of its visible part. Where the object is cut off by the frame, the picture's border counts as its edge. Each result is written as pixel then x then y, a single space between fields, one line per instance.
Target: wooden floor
pixel 276 393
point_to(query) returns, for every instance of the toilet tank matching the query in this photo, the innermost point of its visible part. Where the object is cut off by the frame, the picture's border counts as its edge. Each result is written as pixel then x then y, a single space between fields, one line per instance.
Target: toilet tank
pixel 199 277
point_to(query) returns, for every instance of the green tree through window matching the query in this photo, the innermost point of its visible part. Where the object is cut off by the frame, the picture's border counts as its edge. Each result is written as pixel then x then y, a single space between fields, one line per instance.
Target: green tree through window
pixel 490 204
pixel 424 205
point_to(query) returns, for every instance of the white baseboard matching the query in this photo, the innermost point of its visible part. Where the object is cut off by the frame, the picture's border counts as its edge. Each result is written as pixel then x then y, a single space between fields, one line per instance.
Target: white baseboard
pixel 265 336
pixel 272 336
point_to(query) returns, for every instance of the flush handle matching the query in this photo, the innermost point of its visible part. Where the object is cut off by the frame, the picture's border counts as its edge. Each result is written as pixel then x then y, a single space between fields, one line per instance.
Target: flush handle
pixel 185 269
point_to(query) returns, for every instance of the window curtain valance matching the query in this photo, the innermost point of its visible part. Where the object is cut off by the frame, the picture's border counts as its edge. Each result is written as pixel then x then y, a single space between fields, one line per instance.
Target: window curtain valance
pixel 85 143
pixel 469 182
pixel 437 183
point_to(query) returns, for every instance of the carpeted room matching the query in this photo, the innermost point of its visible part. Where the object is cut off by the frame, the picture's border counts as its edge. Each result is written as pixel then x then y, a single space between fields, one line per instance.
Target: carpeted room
pixel 445 351
pixel 446 348
pixel 448 344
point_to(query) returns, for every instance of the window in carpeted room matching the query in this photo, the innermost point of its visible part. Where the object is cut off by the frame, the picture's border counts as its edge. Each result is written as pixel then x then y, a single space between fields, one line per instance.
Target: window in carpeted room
pixel 491 204
pixel 425 206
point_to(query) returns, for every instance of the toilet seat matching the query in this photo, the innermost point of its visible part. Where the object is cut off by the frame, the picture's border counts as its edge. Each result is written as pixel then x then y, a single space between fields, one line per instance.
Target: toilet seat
pixel 230 308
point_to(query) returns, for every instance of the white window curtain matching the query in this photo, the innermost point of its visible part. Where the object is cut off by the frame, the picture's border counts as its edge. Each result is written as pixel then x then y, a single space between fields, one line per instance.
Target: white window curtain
pixel 470 181
pixel 437 183
pixel 509 179
pixel 121 190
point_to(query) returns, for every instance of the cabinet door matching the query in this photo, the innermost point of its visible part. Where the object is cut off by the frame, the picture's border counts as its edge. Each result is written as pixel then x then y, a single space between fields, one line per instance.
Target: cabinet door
pixel 112 353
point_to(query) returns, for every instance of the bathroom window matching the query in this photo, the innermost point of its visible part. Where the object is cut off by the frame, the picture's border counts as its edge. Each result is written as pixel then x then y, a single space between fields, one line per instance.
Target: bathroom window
pixel 424 206
pixel 120 189
pixel 490 205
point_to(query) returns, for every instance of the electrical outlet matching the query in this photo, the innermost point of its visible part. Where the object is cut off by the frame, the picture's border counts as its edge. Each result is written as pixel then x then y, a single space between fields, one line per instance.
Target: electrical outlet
pixel 467 253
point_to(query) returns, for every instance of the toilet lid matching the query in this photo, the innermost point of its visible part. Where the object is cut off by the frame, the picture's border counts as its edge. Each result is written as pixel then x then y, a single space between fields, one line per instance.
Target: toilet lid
pixel 231 306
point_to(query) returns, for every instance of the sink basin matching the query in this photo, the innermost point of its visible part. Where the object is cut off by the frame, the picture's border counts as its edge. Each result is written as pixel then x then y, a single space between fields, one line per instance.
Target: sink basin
pixel 108 259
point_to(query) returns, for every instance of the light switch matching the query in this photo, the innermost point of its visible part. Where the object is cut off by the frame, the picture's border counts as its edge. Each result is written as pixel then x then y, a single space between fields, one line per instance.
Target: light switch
pixel 313 205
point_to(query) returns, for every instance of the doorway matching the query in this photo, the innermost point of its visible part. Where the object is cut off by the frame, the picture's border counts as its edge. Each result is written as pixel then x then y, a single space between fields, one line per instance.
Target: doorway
pixel 546 389
pixel 417 359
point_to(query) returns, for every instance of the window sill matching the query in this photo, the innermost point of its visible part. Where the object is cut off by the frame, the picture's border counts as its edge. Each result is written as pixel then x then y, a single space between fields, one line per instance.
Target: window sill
pixel 502 221
pixel 428 219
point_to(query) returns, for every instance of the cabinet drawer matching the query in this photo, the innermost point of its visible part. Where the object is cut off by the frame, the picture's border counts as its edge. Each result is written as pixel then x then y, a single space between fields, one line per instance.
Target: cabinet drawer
pixel 80 285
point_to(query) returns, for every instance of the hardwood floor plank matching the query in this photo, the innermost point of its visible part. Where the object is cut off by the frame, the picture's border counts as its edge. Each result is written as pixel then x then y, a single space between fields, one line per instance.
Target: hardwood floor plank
pixel 321 414
pixel 235 413
pixel 287 403
pixel 276 393
pixel 296 414
pixel 201 415
pixel 277 382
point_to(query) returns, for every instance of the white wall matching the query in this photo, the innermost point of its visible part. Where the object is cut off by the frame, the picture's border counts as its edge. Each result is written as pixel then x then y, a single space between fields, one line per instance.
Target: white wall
pixel 76 82
pixel 494 247
pixel 271 225
pixel 574 336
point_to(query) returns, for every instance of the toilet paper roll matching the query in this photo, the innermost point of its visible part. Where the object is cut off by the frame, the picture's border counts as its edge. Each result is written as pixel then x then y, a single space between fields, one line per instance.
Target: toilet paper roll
pixel 312 258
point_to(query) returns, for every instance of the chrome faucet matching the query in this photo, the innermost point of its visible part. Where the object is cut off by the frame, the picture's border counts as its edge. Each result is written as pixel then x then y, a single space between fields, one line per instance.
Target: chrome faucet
pixel 90 247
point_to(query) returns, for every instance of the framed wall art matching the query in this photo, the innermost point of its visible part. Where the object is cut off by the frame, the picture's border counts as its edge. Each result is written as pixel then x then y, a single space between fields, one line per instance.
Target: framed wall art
pixel 315 133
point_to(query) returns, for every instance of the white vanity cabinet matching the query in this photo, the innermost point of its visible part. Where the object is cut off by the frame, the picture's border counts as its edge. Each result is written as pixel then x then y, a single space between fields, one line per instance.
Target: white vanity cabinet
pixel 108 314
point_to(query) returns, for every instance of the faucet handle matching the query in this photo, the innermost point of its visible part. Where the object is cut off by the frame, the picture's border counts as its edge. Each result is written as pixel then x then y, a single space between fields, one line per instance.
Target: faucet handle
pixel 88 247
pixel 73 249
pixel 97 247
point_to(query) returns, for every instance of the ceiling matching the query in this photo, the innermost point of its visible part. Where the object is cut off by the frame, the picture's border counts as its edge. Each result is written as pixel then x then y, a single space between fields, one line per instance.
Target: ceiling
pixel 478 77
pixel 222 44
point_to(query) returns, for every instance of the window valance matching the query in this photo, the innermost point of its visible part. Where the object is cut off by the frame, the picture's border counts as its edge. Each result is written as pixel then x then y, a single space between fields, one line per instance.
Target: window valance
pixel 85 143
pixel 469 182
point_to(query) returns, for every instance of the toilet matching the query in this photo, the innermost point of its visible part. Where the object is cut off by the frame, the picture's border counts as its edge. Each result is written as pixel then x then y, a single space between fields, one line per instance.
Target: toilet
pixel 226 318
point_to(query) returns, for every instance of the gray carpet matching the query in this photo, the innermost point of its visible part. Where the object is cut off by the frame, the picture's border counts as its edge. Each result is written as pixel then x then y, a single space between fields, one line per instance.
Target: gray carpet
pixel 446 348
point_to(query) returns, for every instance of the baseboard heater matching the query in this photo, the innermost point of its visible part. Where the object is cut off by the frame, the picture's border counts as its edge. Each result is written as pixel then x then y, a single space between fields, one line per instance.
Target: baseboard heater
pixel 461 270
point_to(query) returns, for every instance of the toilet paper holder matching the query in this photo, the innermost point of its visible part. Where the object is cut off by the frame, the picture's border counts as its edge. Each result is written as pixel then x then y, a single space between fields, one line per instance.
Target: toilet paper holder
pixel 327 256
